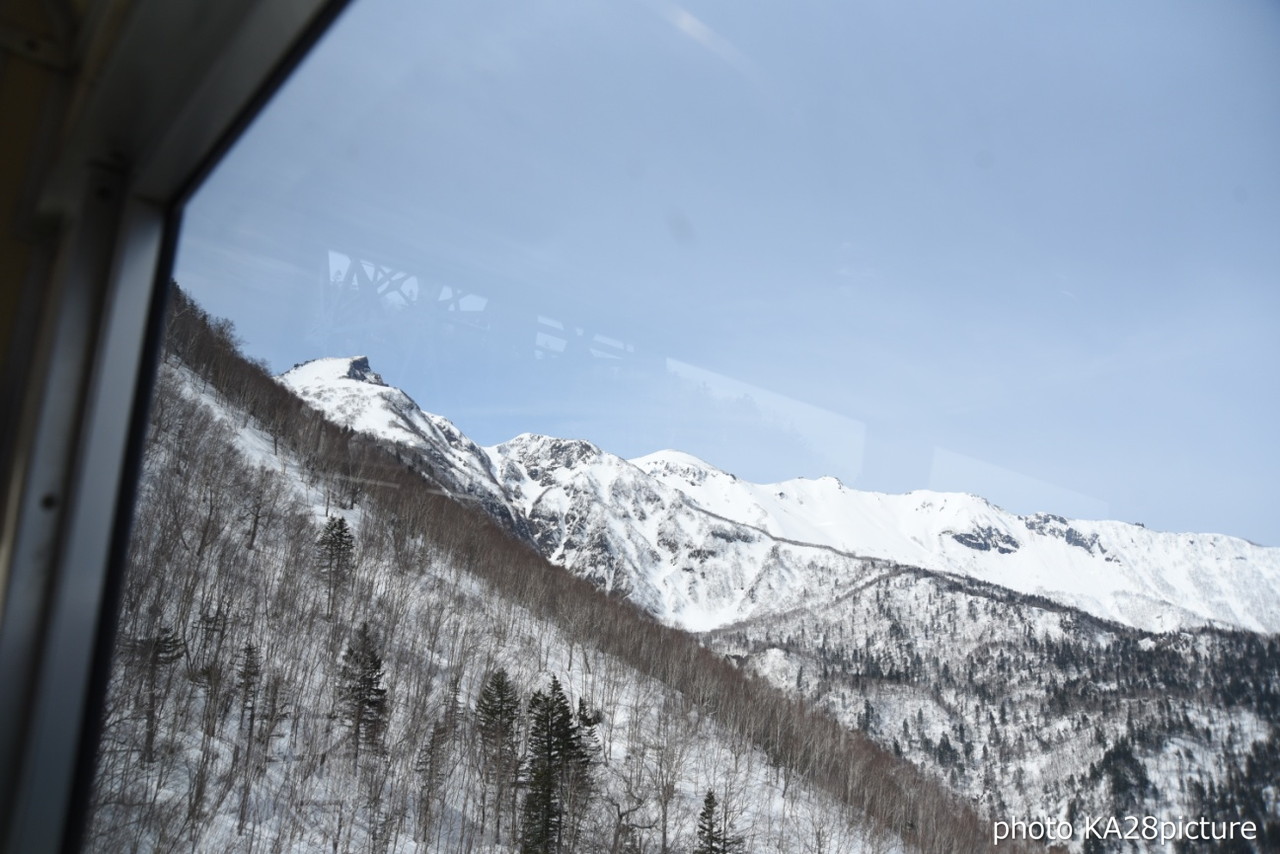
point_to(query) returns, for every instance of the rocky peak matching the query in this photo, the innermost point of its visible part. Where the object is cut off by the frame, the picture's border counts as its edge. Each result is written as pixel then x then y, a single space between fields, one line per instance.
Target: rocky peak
pixel 359 370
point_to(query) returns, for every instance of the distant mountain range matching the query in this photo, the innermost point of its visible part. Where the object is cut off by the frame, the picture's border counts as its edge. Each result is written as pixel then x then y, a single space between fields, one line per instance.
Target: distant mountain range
pixel 702 549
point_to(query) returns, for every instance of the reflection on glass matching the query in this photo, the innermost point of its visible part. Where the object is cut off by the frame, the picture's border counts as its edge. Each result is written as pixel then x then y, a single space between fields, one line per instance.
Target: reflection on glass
pixel 820 343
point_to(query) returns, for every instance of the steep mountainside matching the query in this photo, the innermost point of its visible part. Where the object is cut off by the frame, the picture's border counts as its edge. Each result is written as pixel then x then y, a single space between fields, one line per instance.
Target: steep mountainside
pixel 320 650
pixel 1040 665
pixel 351 394
pixel 1114 570
pixel 1032 708
pixel 701 548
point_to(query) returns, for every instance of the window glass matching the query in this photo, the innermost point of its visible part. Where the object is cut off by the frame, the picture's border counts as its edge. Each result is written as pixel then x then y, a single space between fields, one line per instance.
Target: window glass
pixel 930 331
pixel 1024 254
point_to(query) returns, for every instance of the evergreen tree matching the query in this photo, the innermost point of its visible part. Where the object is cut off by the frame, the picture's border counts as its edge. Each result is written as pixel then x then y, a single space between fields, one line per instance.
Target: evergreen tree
pixel 431 765
pixel 1126 776
pixel 710 839
pixel 582 751
pixel 714 836
pixel 157 654
pixel 549 717
pixel 554 782
pixel 361 694
pixel 497 724
pixel 335 557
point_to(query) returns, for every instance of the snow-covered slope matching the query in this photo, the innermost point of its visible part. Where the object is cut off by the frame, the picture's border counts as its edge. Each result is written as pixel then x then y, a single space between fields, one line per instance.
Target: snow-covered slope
pixel 240 737
pixel 701 548
pixel 351 394
pixel 607 520
pixel 1114 570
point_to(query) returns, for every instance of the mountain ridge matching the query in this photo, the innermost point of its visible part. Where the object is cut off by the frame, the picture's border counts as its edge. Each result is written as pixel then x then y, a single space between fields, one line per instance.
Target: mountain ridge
pixel 603 525
pixel 329 576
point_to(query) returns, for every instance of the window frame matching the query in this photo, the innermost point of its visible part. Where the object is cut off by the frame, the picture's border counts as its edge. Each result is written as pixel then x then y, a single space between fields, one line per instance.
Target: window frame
pixel 141 106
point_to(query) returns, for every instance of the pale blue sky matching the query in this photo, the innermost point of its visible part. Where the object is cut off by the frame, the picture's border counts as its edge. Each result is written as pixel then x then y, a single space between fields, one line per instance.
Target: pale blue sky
pixel 1028 250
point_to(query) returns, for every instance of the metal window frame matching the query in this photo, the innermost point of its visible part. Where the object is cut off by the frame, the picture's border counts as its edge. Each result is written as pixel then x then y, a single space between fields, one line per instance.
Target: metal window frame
pixel 151 95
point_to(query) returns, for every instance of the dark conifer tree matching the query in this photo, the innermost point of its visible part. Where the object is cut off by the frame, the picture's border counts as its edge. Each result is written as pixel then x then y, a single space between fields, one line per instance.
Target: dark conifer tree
pixel 551 753
pixel 497 724
pixel 710 839
pixel 361 695
pixel 714 835
pixel 335 557
pixel 582 754
pixel 540 828
pixel 157 655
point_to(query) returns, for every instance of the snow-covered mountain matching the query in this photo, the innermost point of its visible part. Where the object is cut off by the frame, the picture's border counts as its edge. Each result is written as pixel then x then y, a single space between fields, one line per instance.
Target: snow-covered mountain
pixel 306 666
pixel 234 649
pixel 352 395
pixel 701 548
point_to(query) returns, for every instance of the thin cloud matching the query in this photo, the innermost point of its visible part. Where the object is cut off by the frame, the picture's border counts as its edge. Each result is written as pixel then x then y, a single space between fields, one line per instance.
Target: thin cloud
pixel 691 26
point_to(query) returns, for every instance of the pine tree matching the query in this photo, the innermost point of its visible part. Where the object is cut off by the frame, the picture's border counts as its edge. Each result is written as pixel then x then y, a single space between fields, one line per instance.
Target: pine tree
pixel 554 751
pixel 361 694
pixel 497 713
pixel 582 752
pixel 710 839
pixel 562 754
pixel 714 835
pixel 497 724
pixel 157 654
pixel 335 557
pixel 543 808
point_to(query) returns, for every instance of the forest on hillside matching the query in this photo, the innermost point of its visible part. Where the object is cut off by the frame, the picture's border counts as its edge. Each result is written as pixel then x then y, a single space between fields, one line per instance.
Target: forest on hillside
pixel 1030 708
pixel 318 651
